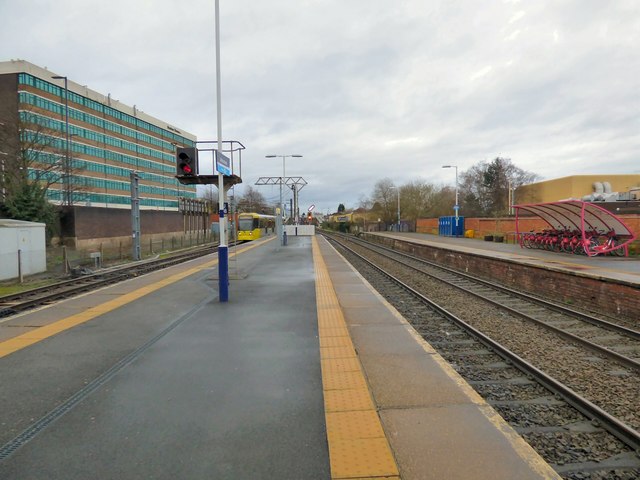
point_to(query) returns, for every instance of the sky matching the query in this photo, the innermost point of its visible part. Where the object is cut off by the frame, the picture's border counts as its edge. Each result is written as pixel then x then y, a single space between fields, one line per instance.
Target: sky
pixel 364 90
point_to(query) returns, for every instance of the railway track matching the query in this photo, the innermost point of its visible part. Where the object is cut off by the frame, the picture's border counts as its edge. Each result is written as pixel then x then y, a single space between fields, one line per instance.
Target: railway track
pixel 19 302
pixel 575 403
pixel 617 341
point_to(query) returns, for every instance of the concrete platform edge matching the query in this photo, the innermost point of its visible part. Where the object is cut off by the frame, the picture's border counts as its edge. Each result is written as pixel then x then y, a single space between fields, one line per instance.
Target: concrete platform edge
pixel 562 265
pixel 522 449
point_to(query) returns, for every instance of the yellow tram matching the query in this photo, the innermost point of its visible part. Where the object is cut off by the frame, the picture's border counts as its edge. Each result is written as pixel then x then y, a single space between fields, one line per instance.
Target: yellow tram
pixel 252 226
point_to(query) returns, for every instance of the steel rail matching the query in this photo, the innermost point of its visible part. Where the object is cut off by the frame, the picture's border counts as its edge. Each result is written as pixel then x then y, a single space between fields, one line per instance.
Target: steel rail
pixel 622 359
pixel 14 303
pixel 525 296
pixel 613 425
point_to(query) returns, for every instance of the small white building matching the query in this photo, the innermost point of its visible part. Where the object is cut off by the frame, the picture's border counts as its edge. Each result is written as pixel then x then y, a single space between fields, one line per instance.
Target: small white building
pixel 22 248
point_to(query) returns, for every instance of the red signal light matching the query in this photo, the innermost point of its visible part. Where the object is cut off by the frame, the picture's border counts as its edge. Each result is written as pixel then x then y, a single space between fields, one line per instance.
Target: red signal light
pixel 187 161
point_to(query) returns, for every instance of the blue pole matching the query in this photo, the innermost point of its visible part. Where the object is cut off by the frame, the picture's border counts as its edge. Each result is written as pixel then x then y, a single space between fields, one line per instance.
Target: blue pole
pixel 223 272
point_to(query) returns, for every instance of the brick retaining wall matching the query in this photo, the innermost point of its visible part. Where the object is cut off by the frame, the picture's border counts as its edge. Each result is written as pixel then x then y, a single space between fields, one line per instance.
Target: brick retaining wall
pixel 507 226
pixel 616 299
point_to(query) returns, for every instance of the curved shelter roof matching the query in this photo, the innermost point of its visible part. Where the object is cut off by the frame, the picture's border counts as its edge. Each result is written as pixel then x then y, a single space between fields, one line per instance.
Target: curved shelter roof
pixel 578 215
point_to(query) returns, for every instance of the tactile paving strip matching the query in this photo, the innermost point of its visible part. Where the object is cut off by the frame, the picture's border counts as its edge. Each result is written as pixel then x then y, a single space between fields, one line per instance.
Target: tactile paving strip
pixel 358 448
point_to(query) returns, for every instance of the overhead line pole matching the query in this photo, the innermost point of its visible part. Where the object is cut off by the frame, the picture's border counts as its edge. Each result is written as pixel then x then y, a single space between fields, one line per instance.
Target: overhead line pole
pixel 456 207
pixel 282 183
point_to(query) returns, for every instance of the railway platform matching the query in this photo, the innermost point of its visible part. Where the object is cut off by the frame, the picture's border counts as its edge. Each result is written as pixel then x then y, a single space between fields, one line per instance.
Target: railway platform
pixel 305 373
pixel 620 269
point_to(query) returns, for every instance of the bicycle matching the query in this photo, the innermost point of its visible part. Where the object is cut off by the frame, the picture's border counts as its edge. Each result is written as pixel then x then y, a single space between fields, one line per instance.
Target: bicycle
pixel 610 245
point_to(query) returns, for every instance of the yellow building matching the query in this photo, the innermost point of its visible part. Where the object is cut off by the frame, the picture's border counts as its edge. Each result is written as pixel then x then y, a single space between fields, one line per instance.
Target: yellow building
pixel 341 217
pixel 578 187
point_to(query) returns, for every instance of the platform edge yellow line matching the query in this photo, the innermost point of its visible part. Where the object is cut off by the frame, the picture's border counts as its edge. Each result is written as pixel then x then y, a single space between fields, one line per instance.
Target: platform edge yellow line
pixel 19 342
pixel 358 447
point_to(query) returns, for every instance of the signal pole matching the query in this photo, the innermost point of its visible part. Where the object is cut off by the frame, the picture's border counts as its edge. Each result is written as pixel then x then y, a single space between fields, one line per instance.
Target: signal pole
pixel 135 215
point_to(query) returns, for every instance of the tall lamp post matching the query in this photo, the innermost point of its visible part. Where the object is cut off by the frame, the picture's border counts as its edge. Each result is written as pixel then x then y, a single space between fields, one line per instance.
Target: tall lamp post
pixel 4 190
pixel 3 154
pixel 398 190
pixel 66 186
pixel 282 180
pixel 456 207
pixel 223 249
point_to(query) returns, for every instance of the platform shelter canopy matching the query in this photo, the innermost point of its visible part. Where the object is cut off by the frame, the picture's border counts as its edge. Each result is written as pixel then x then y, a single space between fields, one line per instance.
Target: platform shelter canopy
pixel 575 214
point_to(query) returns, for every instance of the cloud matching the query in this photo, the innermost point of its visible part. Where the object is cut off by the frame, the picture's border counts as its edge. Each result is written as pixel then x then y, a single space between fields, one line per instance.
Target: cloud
pixel 517 16
pixel 483 72
pixel 364 89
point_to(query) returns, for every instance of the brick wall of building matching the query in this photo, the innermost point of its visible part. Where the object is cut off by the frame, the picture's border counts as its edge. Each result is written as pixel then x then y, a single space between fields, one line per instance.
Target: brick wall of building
pixel 86 228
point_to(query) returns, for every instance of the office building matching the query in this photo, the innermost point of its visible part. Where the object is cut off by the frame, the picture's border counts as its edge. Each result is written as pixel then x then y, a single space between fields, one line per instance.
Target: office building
pixel 83 146
pixel 106 141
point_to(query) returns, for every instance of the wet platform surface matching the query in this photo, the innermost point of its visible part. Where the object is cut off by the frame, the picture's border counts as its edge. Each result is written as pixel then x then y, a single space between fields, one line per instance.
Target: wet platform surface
pixel 295 377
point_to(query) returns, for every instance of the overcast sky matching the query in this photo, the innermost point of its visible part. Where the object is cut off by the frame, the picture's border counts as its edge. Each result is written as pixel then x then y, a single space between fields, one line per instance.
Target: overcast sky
pixel 363 89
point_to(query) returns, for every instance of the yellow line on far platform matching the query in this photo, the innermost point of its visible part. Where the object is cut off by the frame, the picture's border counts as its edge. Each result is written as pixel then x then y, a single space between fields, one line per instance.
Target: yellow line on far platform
pixel 34 336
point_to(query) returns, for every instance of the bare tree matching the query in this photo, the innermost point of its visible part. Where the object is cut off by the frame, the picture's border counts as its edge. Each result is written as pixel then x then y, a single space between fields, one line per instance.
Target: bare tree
pixel 442 201
pixel 37 155
pixel 485 186
pixel 253 201
pixel 364 202
pixel 384 197
pixel 210 193
pixel 32 164
pixel 417 199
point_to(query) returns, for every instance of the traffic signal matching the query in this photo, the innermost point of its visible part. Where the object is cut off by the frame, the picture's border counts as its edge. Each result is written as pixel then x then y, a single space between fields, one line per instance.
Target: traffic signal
pixel 186 161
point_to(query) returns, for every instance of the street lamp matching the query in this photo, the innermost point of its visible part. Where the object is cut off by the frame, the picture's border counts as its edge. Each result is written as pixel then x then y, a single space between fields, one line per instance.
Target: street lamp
pixel 223 249
pixel 67 199
pixel 398 189
pixel 66 116
pixel 282 180
pixel 4 190
pixel 456 207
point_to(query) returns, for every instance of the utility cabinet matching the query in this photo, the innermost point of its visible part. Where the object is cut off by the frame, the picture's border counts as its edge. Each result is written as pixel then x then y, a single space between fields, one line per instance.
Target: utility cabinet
pixel 22 248
pixel 447 226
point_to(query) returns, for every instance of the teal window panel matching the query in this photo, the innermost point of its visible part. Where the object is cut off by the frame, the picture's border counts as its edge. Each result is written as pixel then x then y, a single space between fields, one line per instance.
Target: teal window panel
pixel 98 121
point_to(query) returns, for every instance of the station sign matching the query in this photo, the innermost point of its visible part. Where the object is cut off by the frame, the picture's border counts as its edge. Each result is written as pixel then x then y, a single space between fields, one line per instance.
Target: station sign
pixel 223 163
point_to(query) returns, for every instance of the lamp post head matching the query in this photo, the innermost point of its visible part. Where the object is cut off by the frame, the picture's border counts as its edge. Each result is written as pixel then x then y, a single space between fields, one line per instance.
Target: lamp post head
pixel 297 156
pixel 270 156
pixel 59 77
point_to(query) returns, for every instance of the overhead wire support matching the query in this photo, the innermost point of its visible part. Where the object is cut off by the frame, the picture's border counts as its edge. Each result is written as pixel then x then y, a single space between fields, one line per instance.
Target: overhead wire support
pixel 295 183
pixel 280 180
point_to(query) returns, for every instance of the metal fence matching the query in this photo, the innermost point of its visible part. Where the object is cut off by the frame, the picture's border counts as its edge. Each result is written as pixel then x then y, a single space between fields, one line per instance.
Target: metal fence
pixel 61 259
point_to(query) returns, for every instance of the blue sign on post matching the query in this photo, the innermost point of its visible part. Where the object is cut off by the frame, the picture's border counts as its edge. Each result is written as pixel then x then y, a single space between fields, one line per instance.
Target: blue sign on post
pixel 223 163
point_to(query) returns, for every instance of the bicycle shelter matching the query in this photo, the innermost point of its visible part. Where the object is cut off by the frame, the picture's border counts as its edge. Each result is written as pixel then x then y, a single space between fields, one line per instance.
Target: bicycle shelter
pixel 586 217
